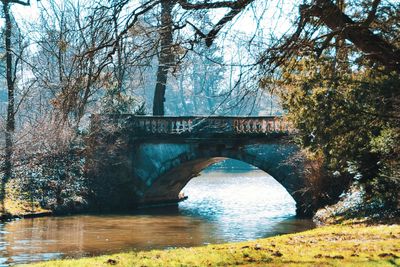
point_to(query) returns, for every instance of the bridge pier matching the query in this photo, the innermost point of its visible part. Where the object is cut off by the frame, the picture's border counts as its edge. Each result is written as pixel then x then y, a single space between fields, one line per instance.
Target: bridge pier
pixel 130 165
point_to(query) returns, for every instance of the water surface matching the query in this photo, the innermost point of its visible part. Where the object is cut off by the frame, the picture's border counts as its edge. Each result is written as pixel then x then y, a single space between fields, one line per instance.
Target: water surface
pixel 223 206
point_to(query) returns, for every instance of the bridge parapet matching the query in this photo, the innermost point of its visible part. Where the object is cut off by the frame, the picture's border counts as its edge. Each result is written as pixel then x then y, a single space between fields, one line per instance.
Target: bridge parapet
pixel 199 125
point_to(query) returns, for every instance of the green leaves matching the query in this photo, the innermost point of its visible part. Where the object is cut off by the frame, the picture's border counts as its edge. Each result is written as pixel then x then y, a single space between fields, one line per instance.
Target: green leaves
pixel 348 116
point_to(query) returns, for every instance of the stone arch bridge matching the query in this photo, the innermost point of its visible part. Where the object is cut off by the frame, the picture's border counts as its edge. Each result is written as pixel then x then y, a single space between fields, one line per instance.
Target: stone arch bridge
pixel 138 160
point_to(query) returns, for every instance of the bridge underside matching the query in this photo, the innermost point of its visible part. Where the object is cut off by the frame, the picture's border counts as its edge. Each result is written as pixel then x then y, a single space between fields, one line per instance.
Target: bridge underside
pixel 167 168
pixel 167 187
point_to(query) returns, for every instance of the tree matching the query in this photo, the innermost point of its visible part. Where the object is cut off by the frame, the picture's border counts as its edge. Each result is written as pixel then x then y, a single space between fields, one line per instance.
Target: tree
pixel 168 28
pixel 10 81
pixel 166 57
pixel 351 119
pixel 338 79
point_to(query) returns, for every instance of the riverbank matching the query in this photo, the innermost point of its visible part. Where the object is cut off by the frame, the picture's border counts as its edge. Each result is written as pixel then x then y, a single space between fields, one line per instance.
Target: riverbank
pixel 9 216
pixel 340 245
pixel 17 207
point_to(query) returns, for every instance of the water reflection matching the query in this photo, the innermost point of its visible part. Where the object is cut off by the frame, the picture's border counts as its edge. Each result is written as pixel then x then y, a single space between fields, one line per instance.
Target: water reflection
pixel 221 208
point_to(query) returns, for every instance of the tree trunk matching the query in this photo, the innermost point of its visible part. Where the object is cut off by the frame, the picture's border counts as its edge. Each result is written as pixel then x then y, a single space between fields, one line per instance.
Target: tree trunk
pixel 10 124
pixel 119 71
pixel 166 58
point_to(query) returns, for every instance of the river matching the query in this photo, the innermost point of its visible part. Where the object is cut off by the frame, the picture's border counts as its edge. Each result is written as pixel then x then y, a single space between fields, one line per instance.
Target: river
pixel 223 206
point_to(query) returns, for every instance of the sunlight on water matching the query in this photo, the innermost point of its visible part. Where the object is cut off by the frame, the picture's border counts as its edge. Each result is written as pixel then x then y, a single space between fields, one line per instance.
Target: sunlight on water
pixel 242 207
pixel 222 207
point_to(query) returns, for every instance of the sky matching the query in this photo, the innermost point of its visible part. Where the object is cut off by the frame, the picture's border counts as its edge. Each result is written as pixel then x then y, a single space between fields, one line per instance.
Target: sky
pixel 26 13
pixel 262 20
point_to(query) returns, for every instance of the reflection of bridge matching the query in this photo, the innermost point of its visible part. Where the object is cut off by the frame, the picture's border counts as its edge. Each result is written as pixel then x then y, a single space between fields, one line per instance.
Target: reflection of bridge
pixel 141 159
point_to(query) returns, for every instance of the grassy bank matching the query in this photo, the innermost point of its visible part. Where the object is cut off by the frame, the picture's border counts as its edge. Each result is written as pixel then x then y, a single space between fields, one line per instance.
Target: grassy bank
pixel 345 245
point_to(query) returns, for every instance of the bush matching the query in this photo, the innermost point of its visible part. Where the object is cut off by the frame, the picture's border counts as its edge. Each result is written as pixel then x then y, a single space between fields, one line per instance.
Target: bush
pixel 351 119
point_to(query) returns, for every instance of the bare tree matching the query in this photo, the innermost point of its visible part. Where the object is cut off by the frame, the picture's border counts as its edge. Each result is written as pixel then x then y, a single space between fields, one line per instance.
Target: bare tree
pixel 10 80
pixel 166 58
pixel 168 27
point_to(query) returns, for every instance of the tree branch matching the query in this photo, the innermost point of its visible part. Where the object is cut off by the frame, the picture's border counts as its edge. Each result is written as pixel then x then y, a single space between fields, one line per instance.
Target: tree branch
pixel 236 8
pixel 371 14
pixel 197 30
pixel 27 3
pixel 372 45
pixel 205 5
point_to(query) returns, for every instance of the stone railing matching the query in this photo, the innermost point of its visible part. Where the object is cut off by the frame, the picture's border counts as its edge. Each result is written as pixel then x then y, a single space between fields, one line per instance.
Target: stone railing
pixel 208 125
pixel 190 126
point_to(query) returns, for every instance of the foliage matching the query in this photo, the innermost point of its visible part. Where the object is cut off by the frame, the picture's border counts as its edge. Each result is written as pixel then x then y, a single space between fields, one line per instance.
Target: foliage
pixel 17 204
pixel 351 117
pixel 338 79
pixel 56 181
pixel 109 142
pixel 327 246
pixel 117 102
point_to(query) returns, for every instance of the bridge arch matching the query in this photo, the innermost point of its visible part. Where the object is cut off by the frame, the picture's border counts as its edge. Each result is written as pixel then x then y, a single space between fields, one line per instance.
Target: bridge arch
pixel 167 168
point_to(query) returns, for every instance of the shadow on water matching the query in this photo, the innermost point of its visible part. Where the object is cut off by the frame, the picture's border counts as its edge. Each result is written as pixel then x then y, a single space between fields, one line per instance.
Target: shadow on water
pixel 252 205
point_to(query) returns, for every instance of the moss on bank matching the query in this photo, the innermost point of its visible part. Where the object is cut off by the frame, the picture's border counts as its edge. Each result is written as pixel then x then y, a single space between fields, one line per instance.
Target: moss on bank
pixel 344 245
pixel 17 206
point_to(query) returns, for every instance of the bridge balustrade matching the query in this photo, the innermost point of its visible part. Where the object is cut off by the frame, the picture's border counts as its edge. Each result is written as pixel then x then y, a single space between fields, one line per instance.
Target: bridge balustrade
pixel 194 125
pixel 212 125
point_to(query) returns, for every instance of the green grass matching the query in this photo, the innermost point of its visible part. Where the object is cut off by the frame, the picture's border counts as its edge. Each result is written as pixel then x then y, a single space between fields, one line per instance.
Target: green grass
pixel 343 245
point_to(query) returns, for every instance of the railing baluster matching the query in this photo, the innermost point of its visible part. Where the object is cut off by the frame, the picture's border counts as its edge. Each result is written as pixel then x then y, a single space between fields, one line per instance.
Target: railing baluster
pixel 190 127
pixel 184 126
pixel 260 125
pixel 147 126
pixel 213 125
